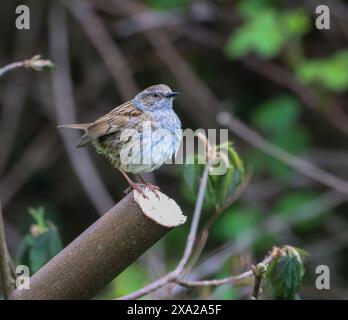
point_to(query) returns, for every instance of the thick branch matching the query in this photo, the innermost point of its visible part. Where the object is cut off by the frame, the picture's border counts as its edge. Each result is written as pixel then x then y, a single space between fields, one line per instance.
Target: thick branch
pixel 105 249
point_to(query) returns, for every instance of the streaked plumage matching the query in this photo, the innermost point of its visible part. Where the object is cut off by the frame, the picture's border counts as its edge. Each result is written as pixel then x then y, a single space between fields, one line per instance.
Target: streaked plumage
pixel 151 108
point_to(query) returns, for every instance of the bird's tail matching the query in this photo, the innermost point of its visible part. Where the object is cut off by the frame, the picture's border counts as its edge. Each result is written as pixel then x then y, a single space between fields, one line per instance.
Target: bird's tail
pixel 81 126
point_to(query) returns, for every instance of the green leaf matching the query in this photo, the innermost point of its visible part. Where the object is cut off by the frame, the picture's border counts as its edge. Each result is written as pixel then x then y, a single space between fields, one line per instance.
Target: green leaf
pixel 42 244
pixel 284 273
pixel 220 186
pixel 38 216
pixel 44 248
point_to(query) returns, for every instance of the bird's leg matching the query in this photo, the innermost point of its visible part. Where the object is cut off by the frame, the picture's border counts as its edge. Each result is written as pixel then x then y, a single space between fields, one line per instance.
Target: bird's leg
pixel 151 186
pixel 133 185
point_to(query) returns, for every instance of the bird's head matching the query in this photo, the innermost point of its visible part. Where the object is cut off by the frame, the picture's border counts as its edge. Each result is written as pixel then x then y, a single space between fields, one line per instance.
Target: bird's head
pixel 156 97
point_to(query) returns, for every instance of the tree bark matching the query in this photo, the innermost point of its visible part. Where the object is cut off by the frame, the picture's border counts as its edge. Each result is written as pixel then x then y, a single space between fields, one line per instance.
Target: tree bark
pixel 105 249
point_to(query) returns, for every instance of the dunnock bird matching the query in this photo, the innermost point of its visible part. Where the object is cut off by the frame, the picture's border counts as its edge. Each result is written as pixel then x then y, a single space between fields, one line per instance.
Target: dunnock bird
pixel 121 134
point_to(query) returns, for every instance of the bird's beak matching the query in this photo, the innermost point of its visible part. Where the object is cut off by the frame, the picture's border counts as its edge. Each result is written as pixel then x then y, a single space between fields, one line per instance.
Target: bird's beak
pixel 172 94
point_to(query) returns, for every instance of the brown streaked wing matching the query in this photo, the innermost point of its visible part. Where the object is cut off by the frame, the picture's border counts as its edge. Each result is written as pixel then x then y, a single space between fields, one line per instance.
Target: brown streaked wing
pixel 111 122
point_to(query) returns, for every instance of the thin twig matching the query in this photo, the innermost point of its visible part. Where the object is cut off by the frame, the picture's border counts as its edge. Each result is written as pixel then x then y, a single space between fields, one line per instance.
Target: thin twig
pixel 218 282
pixel 174 275
pixel 5 262
pixel 258 272
pixel 11 66
pixel 214 282
pixel 322 204
pixel 204 234
pixel 34 62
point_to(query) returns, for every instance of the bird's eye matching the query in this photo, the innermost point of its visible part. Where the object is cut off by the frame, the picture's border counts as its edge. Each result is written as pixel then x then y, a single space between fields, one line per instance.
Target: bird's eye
pixel 155 95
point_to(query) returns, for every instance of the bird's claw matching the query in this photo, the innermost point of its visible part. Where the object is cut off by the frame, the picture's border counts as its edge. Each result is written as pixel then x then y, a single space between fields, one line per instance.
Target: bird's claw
pixel 140 188
pixel 153 188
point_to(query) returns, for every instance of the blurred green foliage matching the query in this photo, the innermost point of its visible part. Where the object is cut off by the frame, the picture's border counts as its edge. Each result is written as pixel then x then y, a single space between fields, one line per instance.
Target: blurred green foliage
pixel 133 278
pixel 278 118
pixel 266 31
pixel 235 221
pixel 41 244
pixel 330 73
pixel 220 186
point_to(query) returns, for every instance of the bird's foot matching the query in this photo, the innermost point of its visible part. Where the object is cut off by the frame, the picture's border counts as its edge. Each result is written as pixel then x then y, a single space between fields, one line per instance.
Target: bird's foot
pixel 137 186
pixel 141 186
pixel 153 188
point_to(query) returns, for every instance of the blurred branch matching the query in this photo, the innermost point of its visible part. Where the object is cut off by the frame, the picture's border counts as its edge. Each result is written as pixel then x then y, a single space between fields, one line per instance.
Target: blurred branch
pixel 100 38
pixel 320 205
pixel 14 92
pixel 107 48
pixel 6 280
pixel 171 58
pixel 12 104
pixel 105 249
pixel 34 157
pixel 306 168
pixel 16 88
pixel 283 77
pixel 65 112
pixel 195 13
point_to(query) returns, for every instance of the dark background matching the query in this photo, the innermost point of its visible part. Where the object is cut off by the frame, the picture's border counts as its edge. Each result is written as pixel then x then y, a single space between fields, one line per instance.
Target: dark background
pixel 264 61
